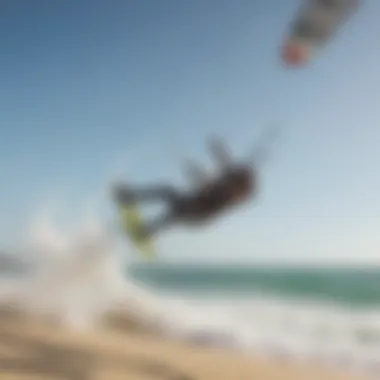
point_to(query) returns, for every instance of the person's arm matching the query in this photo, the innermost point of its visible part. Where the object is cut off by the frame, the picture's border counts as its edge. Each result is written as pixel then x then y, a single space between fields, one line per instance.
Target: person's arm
pixel 220 152
pixel 195 173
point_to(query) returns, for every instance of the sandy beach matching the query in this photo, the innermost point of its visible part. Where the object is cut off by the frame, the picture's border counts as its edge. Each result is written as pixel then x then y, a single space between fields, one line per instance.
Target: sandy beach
pixel 31 350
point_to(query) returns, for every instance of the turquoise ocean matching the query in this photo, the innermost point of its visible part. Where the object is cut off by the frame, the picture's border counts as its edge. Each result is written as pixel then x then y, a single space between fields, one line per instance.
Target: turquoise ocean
pixel 357 287
pixel 325 314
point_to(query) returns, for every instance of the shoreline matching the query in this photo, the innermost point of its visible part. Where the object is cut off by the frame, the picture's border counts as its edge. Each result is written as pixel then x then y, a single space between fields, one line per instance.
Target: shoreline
pixel 33 349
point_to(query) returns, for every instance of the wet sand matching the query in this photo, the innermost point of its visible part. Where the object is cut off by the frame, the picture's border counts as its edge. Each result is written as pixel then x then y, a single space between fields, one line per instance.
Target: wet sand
pixel 31 350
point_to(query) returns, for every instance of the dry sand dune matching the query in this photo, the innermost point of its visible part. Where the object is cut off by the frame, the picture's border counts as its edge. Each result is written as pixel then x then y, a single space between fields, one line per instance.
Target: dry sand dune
pixel 30 350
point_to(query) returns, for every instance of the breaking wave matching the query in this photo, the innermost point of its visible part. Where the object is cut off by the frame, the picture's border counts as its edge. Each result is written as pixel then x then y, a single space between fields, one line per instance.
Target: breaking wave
pixel 80 280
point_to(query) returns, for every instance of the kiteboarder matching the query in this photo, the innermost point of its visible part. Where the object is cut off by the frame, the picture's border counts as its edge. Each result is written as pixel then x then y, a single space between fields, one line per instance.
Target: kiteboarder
pixel 236 183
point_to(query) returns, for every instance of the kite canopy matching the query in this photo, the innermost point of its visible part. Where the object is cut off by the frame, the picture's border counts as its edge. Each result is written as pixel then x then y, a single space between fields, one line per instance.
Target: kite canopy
pixel 315 24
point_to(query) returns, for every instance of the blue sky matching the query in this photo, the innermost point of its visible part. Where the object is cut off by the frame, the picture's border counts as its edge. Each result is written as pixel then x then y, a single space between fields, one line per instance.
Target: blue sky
pixel 90 89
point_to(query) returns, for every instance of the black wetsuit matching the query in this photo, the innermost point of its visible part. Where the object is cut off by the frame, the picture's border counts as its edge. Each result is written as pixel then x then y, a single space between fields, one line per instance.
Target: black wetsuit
pixel 198 207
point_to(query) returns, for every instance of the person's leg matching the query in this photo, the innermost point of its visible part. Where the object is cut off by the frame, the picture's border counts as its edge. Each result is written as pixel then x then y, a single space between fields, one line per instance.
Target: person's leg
pixel 123 194
pixel 155 226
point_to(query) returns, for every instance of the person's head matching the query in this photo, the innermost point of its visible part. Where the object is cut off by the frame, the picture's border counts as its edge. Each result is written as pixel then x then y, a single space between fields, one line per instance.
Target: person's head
pixel 240 183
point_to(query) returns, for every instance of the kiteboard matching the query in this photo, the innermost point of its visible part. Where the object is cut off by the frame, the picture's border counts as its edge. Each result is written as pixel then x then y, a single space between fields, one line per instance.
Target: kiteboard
pixel 132 223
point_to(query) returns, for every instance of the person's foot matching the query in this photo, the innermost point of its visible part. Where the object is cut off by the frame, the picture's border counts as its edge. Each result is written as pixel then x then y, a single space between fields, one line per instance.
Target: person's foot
pixel 122 194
